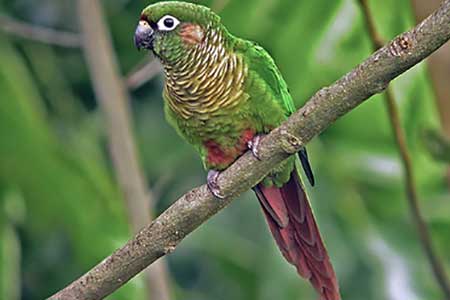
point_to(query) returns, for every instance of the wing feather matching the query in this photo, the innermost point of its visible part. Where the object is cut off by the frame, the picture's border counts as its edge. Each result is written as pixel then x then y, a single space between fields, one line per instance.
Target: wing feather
pixel 260 61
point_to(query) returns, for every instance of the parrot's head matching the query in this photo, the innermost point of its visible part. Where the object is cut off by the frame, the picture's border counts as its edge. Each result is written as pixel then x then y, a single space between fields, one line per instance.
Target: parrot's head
pixel 171 28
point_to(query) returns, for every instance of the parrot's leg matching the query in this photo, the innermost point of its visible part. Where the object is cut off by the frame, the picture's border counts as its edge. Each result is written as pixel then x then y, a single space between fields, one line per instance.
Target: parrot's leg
pixel 211 181
pixel 253 145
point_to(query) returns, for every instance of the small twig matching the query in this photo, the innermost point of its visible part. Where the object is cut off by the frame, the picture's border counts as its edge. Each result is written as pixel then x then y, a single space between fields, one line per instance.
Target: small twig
pixel 325 107
pixel 411 189
pixel 39 34
pixel 143 74
pixel 413 200
pixel 114 101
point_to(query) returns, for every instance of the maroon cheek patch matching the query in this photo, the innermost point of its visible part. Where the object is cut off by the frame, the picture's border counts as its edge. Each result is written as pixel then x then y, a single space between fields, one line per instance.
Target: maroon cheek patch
pixel 192 33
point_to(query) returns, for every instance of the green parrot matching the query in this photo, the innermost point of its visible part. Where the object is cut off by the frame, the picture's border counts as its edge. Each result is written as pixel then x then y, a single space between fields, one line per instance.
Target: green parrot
pixel 222 94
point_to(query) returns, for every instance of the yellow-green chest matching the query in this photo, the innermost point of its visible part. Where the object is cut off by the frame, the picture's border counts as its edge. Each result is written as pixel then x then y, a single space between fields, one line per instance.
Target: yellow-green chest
pixel 208 83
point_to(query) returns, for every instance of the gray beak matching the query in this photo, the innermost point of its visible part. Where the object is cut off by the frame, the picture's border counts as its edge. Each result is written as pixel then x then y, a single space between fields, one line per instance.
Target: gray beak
pixel 143 36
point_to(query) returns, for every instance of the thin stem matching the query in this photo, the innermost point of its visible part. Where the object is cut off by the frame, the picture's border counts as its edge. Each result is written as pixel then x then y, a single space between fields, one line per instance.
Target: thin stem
pixel 114 101
pixel 142 74
pixel 413 200
pixel 39 34
pixel 410 185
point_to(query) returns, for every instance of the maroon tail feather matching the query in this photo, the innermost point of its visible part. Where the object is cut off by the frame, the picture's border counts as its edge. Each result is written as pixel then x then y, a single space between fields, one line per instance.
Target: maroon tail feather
pixel 292 224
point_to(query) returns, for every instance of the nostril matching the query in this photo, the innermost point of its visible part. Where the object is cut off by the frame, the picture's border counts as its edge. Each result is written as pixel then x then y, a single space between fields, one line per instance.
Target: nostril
pixel 144 23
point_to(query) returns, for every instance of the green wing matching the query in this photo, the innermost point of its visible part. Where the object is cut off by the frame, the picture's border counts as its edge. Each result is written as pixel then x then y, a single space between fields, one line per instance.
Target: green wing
pixel 262 63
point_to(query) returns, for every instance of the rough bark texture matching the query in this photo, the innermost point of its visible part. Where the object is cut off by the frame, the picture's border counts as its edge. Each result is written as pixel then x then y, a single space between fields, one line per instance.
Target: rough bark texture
pixel 191 210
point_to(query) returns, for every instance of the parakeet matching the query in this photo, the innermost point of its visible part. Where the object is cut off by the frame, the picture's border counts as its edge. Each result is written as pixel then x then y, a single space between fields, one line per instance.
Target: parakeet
pixel 222 94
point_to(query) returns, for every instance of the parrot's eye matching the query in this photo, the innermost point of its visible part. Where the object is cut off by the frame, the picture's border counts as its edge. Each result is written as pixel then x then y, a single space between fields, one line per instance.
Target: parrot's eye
pixel 167 23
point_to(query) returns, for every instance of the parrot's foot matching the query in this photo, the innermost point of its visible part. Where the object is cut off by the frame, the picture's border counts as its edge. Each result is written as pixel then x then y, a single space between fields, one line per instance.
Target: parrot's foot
pixel 253 145
pixel 211 181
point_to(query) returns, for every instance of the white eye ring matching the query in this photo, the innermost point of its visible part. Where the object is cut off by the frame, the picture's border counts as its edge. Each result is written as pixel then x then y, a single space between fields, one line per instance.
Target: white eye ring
pixel 167 23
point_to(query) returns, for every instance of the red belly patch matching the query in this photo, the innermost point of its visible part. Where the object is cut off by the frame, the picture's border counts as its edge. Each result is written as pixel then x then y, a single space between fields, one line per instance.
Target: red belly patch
pixel 220 157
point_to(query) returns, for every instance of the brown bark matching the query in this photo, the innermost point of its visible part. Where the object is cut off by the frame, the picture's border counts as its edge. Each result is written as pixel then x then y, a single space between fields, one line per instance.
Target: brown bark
pixel 326 106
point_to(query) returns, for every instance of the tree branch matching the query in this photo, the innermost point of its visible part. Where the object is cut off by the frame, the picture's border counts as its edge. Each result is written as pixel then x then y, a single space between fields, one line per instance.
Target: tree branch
pixel 39 34
pixel 437 265
pixel 114 101
pixel 326 106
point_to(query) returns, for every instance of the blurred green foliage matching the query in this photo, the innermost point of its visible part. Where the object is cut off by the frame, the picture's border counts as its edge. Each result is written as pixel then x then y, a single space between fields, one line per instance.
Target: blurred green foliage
pixel 61 211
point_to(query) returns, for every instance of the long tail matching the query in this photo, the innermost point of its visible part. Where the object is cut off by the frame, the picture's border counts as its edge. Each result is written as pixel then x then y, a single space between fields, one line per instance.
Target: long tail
pixel 292 224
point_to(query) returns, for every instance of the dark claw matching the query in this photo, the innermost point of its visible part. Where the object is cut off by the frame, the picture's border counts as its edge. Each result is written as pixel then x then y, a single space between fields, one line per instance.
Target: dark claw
pixel 253 145
pixel 211 181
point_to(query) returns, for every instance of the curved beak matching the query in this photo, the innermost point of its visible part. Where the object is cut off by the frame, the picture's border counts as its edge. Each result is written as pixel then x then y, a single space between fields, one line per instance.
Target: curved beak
pixel 143 36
